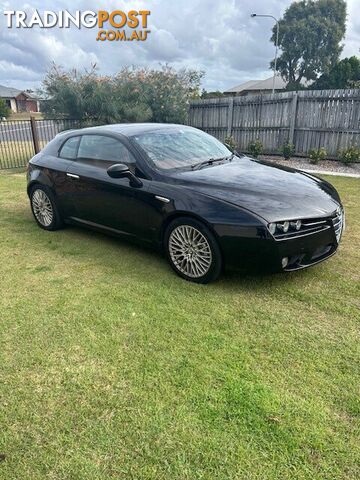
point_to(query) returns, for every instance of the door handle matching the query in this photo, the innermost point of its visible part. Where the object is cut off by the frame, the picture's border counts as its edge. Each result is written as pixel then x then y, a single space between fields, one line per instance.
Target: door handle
pixel 162 199
pixel 71 175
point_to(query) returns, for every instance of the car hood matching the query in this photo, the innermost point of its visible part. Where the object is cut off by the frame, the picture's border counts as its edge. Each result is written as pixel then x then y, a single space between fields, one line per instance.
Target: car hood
pixel 271 191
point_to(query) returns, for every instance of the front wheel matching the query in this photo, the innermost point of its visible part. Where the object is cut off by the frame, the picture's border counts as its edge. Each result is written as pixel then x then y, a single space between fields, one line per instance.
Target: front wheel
pixel 193 251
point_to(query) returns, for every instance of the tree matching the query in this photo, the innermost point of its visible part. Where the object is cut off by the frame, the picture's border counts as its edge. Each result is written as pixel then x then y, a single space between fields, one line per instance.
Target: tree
pixel 215 94
pixel 345 74
pixel 79 95
pixel 310 35
pixel 4 109
pixel 133 95
pixel 163 94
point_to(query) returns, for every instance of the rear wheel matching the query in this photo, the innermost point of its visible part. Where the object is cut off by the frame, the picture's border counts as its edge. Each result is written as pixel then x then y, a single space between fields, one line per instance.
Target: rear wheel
pixel 44 208
pixel 193 251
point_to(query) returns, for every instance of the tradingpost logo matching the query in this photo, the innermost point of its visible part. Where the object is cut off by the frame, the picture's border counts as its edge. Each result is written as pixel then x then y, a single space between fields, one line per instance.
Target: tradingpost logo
pixel 116 25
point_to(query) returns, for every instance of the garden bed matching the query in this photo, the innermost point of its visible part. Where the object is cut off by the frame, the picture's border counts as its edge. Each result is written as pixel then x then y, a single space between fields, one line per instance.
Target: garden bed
pixel 331 166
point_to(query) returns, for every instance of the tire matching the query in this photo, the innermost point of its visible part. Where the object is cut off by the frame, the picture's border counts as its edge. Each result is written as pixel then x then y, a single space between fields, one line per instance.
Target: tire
pixel 44 208
pixel 192 250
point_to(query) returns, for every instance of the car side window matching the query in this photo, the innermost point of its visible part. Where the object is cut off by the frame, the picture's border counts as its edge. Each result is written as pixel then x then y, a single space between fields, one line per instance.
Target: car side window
pixel 103 148
pixel 69 148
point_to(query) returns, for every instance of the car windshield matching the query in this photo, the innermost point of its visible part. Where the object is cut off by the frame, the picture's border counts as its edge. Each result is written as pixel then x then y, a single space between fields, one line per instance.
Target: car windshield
pixel 173 148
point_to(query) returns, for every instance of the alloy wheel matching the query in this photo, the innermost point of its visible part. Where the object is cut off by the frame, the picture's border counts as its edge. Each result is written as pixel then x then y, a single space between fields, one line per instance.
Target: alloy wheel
pixel 42 208
pixel 190 251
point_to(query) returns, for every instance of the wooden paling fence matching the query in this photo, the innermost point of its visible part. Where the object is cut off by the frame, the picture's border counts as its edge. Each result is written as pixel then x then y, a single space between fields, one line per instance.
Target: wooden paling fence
pixel 307 119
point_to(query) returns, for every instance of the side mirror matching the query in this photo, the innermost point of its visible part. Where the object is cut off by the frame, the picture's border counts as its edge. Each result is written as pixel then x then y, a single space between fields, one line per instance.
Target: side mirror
pixel 120 170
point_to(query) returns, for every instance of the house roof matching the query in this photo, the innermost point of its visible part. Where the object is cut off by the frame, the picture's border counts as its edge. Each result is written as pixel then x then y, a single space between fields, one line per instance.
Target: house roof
pixel 9 92
pixel 258 85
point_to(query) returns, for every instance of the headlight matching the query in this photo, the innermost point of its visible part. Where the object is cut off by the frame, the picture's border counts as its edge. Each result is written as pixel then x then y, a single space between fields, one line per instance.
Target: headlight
pixel 296 225
pixel 272 228
pixel 283 227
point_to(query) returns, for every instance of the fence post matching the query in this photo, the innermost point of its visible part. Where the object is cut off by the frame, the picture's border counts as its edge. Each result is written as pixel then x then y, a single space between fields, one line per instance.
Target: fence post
pixel 230 117
pixel 34 135
pixel 293 117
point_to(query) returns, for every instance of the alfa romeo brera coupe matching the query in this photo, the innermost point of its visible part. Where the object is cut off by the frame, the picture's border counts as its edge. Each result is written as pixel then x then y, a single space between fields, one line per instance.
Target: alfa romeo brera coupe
pixel 181 190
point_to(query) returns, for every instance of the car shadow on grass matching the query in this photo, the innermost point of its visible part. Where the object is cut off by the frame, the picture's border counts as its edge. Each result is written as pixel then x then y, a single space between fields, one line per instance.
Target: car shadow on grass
pixel 150 258
pixel 143 260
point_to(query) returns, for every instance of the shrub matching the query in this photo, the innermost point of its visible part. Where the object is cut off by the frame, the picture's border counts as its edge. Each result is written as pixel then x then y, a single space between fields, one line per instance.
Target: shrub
pixel 255 148
pixel 4 110
pixel 134 94
pixel 230 141
pixel 350 155
pixel 288 150
pixel 317 154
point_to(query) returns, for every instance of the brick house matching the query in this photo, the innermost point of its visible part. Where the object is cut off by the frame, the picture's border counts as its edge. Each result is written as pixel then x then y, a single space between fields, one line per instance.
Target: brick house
pixel 18 100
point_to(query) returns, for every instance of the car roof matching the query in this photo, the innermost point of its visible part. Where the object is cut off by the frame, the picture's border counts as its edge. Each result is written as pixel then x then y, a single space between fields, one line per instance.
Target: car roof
pixel 130 129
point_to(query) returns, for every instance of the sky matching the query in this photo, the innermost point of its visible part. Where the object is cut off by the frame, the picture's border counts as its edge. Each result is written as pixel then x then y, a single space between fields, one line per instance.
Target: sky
pixel 216 36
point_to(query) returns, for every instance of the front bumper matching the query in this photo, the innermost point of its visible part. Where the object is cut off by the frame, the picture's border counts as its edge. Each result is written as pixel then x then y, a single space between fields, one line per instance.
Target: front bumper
pixel 261 250
pixel 306 251
pixel 314 247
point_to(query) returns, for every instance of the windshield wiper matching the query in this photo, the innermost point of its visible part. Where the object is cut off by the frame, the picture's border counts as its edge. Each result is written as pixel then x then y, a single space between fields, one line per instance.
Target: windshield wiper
pixel 196 166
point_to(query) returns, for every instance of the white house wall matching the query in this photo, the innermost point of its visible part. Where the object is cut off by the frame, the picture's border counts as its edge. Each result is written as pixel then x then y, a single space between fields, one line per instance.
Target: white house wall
pixel 13 105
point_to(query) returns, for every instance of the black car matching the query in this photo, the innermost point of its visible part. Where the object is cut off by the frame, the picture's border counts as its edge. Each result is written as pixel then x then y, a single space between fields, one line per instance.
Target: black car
pixel 181 190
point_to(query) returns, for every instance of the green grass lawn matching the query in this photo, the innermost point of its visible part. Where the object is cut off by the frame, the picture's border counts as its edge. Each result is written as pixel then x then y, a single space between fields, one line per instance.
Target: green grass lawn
pixel 112 367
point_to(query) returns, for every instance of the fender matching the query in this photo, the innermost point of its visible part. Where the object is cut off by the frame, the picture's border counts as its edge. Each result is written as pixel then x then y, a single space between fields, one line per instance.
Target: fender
pixel 218 215
pixel 35 175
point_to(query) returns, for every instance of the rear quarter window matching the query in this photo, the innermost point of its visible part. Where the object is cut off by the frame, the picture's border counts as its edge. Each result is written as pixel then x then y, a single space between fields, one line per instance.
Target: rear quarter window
pixel 69 148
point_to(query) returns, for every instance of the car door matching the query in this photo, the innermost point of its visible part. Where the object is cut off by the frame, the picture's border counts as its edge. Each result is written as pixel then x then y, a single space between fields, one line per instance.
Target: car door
pixel 60 163
pixel 104 201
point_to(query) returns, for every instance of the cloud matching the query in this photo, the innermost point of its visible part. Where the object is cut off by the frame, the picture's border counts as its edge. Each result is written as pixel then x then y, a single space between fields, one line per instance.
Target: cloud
pixel 164 47
pixel 217 37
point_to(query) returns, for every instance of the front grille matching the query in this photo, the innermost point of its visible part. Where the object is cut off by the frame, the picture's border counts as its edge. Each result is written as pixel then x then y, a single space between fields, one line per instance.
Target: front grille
pixel 337 222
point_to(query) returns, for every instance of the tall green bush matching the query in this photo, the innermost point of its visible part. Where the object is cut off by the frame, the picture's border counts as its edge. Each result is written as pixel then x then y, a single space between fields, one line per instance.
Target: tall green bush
pixel 133 95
